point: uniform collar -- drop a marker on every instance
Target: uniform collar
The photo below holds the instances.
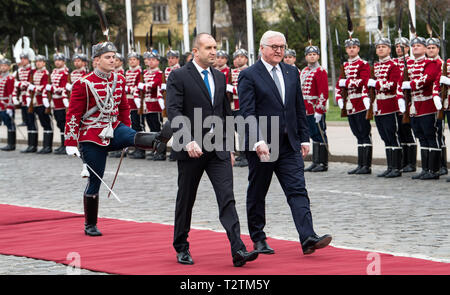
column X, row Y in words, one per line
column 101, row 74
column 387, row 58
column 354, row 59
column 313, row 66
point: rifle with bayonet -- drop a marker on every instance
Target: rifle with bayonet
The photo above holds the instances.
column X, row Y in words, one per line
column 444, row 87
column 372, row 94
column 342, row 75
column 32, row 93
column 406, row 92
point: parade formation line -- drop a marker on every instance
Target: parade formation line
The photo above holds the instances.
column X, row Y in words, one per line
column 135, row 248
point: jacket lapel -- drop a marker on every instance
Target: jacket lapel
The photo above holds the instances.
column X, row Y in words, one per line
column 269, row 80
column 198, row 79
column 287, row 89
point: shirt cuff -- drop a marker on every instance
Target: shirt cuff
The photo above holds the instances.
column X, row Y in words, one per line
column 258, row 144
column 305, row 143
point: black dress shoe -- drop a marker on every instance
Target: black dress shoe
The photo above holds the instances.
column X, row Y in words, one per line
column 263, row 248
column 184, row 257
column 315, row 242
column 91, row 230
column 242, row 256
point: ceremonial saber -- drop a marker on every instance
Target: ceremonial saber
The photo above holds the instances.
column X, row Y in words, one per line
column 95, row 173
column 117, row 171
column 323, row 138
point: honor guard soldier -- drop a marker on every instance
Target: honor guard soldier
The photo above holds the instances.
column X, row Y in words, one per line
column 314, row 82
column 120, row 59
column 387, row 105
column 173, row 59
column 133, row 77
column 407, row 139
column 98, row 121
column 23, row 78
column 357, row 73
column 36, row 91
column 6, row 103
column 445, row 81
column 433, row 46
column 79, row 61
column 153, row 99
column 240, row 60
column 423, row 73
column 290, row 58
column 221, row 64
column 59, row 99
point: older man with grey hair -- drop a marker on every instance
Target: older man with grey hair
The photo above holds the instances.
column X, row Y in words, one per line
column 271, row 89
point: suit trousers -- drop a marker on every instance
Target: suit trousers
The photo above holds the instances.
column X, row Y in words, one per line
column 289, row 169
column 220, row 174
column 95, row 155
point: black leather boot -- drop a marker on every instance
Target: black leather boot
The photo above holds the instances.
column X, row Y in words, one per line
column 90, row 215
column 360, row 160
column 62, row 149
column 11, row 142
column 434, row 164
column 315, row 157
column 137, row 154
column 322, row 159
column 443, row 170
column 243, row 162
column 411, row 156
column 424, row 155
column 389, row 163
column 367, row 161
column 47, row 143
column 396, row 163
column 32, row 142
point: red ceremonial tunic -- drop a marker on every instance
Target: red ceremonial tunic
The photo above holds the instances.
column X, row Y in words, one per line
column 40, row 80
column 132, row 77
column 24, row 74
column 226, row 71
column 81, row 127
column 401, row 65
column 170, row 69
column 357, row 73
column 58, row 82
column 6, row 91
column 446, row 104
column 76, row 74
column 152, row 90
column 423, row 73
column 234, row 82
column 387, row 75
column 314, row 81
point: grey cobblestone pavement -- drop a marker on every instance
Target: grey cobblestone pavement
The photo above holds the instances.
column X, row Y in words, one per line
column 399, row 216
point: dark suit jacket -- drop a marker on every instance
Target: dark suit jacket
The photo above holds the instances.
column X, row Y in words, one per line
column 258, row 96
column 186, row 91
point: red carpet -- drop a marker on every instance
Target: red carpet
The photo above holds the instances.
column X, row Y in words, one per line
column 128, row 247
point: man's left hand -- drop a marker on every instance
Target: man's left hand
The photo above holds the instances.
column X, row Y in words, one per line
column 232, row 159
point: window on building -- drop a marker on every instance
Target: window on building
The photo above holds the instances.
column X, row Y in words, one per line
column 179, row 13
column 160, row 13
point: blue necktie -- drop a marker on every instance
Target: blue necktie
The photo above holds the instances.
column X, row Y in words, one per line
column 206, row 80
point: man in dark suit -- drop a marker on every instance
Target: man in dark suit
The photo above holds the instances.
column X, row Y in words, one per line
column 271, row 89
column 195, row 87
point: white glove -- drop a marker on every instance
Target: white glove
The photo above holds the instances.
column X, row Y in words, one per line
column 126, row 89
column 163, row 86
column 366, row 102
column 372, row 83
column 342, row 82
column 31, row 87
column 401, row 105
column 230, row 88
column 137, row 101
column 15, row 100
column 340, row 103
column 10, row 112
column 161, row 103
column 28, row 101
column 16, row 84
column 66, row 102
column 318, row 117
column 46, row 102
column 406, row 85
column 141, row 86
column 72, row 151
column 444, row 80
column 48, row 87
column 437, row 102
column 69, row 87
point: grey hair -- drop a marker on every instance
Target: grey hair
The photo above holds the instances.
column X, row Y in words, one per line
column 269, row 35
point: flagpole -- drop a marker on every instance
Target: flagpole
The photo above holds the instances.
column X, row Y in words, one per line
column 323, row 34
column 129, row 23
column 184, row 7
column 412, row 9
column 250, row 41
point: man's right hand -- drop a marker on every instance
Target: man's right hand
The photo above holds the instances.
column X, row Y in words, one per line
column 263, row 153
column 72, row 151
column 194, row 150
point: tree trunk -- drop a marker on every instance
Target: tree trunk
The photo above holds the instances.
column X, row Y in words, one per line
column 238, row 20
column 332, row 68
